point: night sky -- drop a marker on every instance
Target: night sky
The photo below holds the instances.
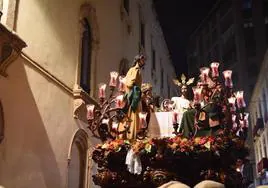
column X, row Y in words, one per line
column 179, row 18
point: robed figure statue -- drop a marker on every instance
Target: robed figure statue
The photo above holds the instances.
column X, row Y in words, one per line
column 181, row 104
column 133, row 81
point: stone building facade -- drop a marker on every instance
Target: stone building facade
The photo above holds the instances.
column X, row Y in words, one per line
column 53, row 55
column 235, row 33
column 259, row 120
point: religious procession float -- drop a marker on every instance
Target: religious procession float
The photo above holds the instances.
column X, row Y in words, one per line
column 146, row 145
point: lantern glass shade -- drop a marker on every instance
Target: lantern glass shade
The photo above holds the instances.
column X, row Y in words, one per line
column 121, row 86
column 105, row 121
column 228, row 78
column 227, row 74
column 142, row 118
column 204, row 74
column 90, row 111
column 231, row 100
column 214, row 69
column 119, row 102
column 102, row 88
column 233, row 117
column 115, row 125
column 113, row 80
column 204, row 70
column 197, row 93
column 240, row 99
column 246, row 115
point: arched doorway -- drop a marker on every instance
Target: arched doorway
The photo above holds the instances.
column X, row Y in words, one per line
column 77, row 166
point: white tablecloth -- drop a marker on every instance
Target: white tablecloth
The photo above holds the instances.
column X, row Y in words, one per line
column 161, row 125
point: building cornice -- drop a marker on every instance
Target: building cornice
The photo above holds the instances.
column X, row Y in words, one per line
column 81, row 98
column 46, row 73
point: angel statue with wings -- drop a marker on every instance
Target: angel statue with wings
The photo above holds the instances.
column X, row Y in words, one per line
column 181, row 104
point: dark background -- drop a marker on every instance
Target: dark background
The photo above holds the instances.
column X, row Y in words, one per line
column 179, row 18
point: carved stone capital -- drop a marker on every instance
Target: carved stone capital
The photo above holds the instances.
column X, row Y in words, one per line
column 10, row 47
column 79, row 108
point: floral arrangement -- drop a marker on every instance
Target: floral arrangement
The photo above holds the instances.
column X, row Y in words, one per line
column 176, row 144
column 173, row 155
column 113, row 145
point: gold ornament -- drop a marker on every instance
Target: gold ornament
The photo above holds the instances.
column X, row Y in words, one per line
column 183, row 81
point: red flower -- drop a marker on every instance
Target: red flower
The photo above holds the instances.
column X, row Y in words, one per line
column 203, row 141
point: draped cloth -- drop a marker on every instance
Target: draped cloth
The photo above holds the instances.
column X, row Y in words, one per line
column 133, row 85
column 161, row 125
column 133, row 163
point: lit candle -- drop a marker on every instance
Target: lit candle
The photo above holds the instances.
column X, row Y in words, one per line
column 119, row 103
column 105, row 121
column 142, row 118
column 233, row 118
column 90, row 111
column 204, row 74
column 114, row 125
column 228, row 78
column 234, row 121
column 102, row 88
column 113, row 80
column 121, row 86
column 242, row 123
column 240, row 99
column 197, row 94
column 245, row 120
column 214, row 69
column 175, row 116
column 231, row 101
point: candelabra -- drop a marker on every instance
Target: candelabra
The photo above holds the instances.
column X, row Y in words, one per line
column 109, row 120
column 210, row 91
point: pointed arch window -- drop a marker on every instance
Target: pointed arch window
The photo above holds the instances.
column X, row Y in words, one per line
column 78, row 161
column 86, row 56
